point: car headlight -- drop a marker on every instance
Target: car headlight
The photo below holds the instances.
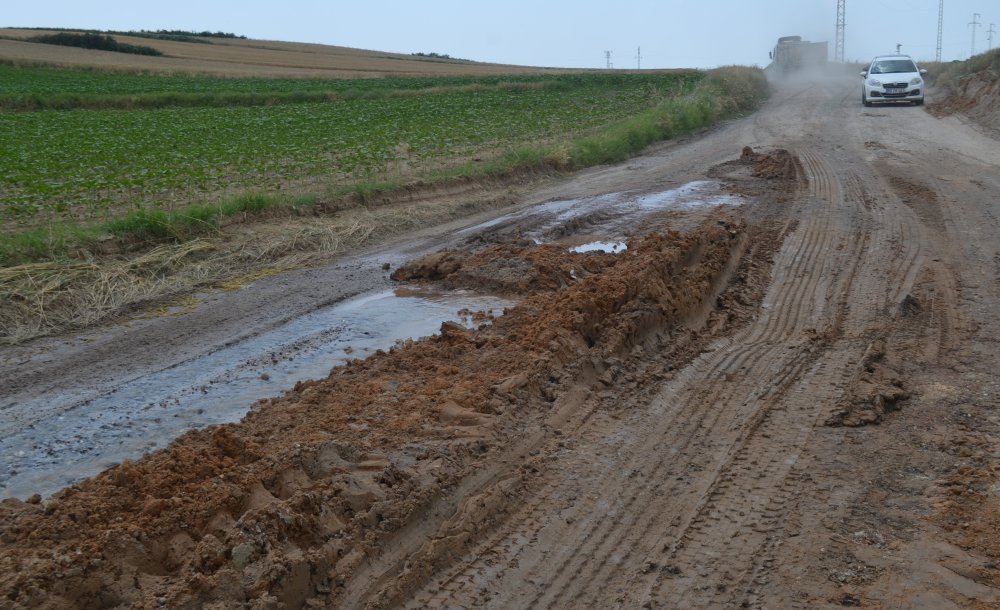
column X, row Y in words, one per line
column 874, row 82
column 916, row 81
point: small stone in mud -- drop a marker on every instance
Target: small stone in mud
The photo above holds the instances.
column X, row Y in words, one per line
column 265, row 377
column 244, row 554
column 34, row 499
column 386, row 266
column 451, row 330
column 909, row 305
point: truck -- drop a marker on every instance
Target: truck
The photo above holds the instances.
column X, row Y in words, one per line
column 792, row 54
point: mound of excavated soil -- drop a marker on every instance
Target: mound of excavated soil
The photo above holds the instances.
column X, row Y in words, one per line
column 778, row 164
column 976, row 97
column 517, row 268
column 287, row 504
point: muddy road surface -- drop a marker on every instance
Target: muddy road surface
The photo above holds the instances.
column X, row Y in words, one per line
column 754, row 369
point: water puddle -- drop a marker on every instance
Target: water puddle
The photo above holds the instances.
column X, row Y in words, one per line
column 694, row 195
column 146, row 413
column 618, row 211
column 611, row 247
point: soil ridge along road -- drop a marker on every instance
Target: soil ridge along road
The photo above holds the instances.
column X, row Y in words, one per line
column 782, row 400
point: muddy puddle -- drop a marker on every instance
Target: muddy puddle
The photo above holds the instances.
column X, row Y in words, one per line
column 613, row 215
column 611, row 247
column 41, row 453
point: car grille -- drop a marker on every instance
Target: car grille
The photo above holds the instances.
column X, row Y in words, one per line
column 897, row 85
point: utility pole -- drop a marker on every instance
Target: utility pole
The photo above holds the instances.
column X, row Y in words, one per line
column 838, row 54
column 638, row 58
column 937, row 56
column 974, row 24
column 607, row 58
column 990, row 33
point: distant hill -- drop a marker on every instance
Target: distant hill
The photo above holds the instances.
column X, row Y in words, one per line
column 242, row 57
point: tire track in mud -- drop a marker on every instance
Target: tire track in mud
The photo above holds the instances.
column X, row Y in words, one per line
column 377, row 580
column 532, row 516
column 687, row 423
column 754, row 485
column 868, row 292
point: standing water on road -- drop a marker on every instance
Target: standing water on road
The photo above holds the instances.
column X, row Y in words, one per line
column 612, row 213
column 43, row 454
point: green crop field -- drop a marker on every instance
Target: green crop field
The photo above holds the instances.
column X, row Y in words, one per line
column 92, row 163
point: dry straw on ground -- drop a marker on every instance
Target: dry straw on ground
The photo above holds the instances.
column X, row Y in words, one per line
column 45, row 298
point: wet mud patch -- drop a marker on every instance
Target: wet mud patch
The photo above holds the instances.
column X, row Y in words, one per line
column 286, row 505
column 608, row 216
column 92, row 432
column 919, row 198
column 520, row 267
column 966, row 501
column 877, row 389
column 775, row 174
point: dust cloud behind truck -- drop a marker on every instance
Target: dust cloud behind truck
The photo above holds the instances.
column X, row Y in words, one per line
column 792, row 54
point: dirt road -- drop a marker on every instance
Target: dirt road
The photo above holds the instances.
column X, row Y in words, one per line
column 785, row 399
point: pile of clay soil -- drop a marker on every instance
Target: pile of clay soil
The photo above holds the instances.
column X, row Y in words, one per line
column 285, row 506
column 877, row 389
column 977, row 97
column 506, row 268
column 776, row 165
column 774, row 175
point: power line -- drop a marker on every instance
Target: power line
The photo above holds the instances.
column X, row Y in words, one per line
column 607, row 58
column 974, row 24
column 638, row 58
column 990, row 33
column 838, row 54
column 937, row 56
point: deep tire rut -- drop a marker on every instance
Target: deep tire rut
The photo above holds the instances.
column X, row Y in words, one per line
column 708, row 458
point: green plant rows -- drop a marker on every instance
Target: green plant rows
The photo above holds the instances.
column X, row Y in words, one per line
column 83, row 160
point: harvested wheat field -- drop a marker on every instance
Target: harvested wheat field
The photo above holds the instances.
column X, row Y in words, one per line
column 244, row 57
column 747, row 369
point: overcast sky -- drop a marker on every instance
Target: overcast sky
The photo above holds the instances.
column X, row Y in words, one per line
column 560, row 33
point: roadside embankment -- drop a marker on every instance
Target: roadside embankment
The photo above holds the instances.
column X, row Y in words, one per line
column 971, row 89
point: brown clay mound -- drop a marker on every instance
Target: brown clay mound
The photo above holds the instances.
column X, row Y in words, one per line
column 284, row 506
column 776, row 165
column 877, row 389
column 511, row 268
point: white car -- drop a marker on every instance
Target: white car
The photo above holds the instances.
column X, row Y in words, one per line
column 893, row 78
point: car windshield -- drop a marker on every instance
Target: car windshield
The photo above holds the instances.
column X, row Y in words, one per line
column 893, row 66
